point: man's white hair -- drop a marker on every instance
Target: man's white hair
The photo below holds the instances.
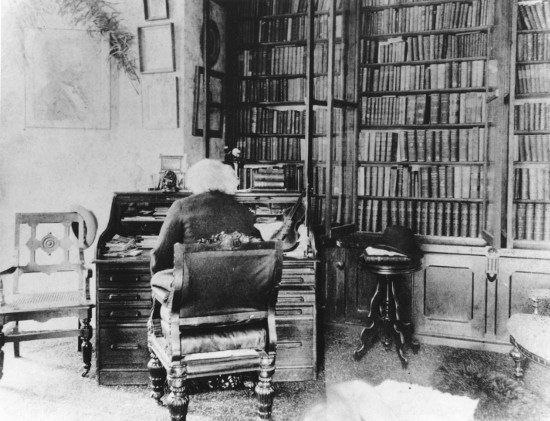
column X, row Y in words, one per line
column 211, row 175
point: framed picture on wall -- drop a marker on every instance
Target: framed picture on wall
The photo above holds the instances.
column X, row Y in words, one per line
column 160, row 104
column 156, row 48
column 155, row 9
column 215, row 99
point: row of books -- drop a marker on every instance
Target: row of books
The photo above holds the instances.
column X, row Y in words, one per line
column 283, row 29
column 371, row 3
column 423, row 47
column 288, row 177
column 426, row 18
column 447, row 145
column 533, row 78
column 459, row 182
column 532, row 221
column 279, row 60
column 321, row 25
column 256, row 8
column 319, row 149
column 273, row 90
column 320, row 118
column 270, row 7
column 341, row 179
column 532, row 183
column 271, row 148
column 450, row 219
column 532, row 116
column 452, row 108
column 321, row 87
column 532, row 148
column 271, row 120
column 533, row 46
column 320, row 57
column 293, row 28
column 534, row 14
column 461, row 74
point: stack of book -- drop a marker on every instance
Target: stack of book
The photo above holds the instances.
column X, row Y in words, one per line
column 268, row 178
column 121, row 246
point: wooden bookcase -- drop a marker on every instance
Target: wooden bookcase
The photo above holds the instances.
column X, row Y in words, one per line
column 410, row 111
column 529, row 127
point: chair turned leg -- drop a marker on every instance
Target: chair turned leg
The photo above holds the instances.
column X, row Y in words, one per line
column 264, row 388
column 518, row 360
column 157, row 378
column 2, row 342
column 86, row 345
column 177, row 401
column 16, row 349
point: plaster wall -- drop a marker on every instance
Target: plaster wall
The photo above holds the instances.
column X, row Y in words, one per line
column 45, row 169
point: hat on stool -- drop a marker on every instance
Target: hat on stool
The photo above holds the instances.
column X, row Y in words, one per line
column 400, row 239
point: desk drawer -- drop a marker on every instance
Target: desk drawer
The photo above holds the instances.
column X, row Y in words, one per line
column 123, row 314
column 124, row 279
column 289, row 329
column 298, row 277
column 285, row 311
column 125, row 297
column 123, row 347
column 294, row 353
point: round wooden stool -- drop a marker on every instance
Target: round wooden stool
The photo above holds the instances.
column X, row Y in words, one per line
column 384, row 320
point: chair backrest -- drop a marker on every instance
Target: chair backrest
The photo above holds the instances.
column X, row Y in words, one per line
column 218, row 281
column 49, row 243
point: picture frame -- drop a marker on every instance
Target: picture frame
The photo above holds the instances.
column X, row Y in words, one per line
column 160, row 101
column 155, row 9
column 216, row 103
column 156, row 48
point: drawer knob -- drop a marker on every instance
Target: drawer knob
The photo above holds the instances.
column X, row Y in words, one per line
column 288, row 312
column 289, row 344
column 116, row 314
column 122, row 297
column 340, row 265
column 293, row 280
column 120, row 347
column 291, row 299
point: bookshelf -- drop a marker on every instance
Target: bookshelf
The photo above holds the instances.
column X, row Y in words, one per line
column 270, row 92
column 423, row 149
column 529, row 127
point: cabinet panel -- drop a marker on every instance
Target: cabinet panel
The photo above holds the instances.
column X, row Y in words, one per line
column 516, row 277
column 449, row 296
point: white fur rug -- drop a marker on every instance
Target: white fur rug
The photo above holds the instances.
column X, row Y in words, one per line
column 356, row 400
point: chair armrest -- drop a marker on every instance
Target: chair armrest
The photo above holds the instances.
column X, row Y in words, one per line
column 8, row 271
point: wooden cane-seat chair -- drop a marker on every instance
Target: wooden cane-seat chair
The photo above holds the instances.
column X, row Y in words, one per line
column 214, row 314
column 48, row 281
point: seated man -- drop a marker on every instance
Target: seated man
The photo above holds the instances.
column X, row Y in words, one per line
column 209, row 211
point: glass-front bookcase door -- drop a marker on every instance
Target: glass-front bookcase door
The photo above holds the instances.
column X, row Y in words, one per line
column 334, row 109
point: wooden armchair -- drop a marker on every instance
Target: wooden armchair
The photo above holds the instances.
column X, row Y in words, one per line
column 215, row 314
column 48, row 280
column 530, row 333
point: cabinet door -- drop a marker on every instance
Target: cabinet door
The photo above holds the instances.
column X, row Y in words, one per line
column 517, row 276
column 449, row 297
